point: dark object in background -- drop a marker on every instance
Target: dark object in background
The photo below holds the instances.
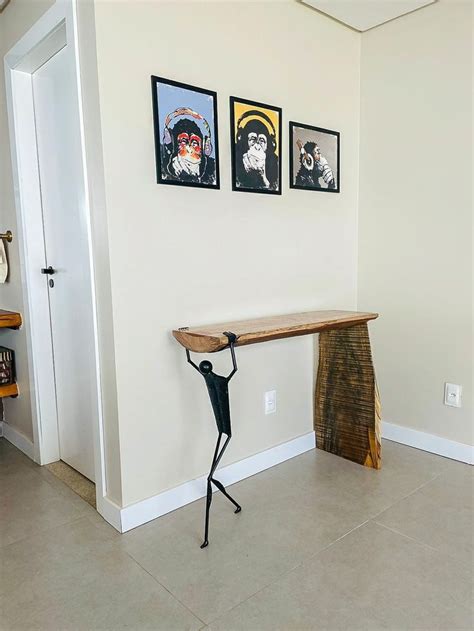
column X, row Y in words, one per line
column 7, row 366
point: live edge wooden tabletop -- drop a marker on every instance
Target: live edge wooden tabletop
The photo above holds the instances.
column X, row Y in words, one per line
column 9, row 319
column 210, row 338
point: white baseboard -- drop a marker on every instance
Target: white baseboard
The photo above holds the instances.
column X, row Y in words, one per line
column 428, row 442
column 110, row 511
column 18, row 439
column 124, row 519
column 153, row 507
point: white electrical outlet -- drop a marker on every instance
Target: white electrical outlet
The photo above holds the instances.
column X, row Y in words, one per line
column 452, row 395
column 270, row 400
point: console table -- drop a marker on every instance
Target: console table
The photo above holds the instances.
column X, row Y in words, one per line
column 346, row 407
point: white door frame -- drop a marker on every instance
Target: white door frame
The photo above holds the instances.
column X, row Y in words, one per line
column 55, row 29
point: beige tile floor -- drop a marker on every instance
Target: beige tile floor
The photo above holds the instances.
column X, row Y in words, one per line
column 321, row 543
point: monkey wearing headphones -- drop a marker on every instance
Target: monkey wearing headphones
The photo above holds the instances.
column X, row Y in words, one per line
column 256, row 161
column 186, row 150
column 313, row 166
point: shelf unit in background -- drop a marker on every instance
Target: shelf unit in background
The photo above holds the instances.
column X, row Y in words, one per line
column 9, row 320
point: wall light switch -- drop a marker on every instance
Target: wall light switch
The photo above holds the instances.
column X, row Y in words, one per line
column 452, row 395
column 270, row 402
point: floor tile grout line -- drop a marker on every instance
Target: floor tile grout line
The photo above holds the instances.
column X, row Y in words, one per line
column 166, row 589
column 339, row 538
column 406, row 496
column 40, row 533
column 291, row 569
column 288, row 571
column 313, row 556
column 276, row 579
column 402, row 534
column 369, row 520
column 419, row 542
column 303, row 487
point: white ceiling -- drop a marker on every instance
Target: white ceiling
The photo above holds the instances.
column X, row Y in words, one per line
column 365, row 14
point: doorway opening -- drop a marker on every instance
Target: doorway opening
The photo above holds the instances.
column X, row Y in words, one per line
column 74, row 480
column 54, row 225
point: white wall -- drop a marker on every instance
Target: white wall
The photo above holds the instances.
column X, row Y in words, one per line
column 415, row 214
column 185, row 256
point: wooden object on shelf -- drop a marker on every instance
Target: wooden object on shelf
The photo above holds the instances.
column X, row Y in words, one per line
column 10, row 390
column 347, row 416
column 209, row 339
column 10, row 319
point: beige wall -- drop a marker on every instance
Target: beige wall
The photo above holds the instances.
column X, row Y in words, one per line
column 415, row 213
column 17, row 18
column 182, row 256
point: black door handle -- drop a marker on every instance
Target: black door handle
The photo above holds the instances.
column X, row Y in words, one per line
column 48, row 270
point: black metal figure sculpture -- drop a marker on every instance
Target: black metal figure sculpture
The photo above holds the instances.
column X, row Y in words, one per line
column 218, row 388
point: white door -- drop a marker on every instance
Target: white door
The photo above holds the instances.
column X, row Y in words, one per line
column 67, row 253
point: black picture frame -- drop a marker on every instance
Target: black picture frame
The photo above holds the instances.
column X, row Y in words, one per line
column 163, row 157
column 236, row 144
column 316, row 135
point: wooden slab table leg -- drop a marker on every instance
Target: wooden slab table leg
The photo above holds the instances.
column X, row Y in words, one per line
column 347, row 416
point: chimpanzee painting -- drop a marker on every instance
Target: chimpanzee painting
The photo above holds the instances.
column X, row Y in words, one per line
column 185, row 120
column 255, row 146
column 314, row 158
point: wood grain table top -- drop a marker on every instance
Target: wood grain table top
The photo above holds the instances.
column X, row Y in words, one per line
column 9, row 319
column 211, row 338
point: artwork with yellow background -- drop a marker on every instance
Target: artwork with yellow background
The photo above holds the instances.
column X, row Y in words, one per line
column 256, row 146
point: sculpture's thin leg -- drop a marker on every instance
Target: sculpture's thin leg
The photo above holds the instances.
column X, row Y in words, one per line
column 219, row 485
column 210, row 479
column 209, row 492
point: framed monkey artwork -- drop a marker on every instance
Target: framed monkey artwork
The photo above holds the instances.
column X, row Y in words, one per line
column 314, row 158
column 255, row 130
column 185, row 124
